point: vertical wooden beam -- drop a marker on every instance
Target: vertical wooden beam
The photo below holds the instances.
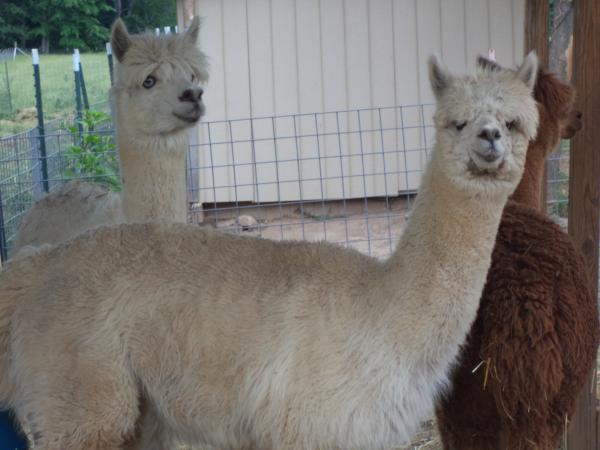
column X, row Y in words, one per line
column 537, row 16
column 584, row 184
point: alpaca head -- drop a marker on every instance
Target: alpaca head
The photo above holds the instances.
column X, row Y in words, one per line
column 555, row 100
column 483, row 125
column 158, row 80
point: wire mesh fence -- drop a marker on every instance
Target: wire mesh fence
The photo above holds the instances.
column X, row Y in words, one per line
column 347, row 177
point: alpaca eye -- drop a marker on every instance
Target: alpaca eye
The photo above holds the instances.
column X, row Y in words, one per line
column 149, row 82
column 511, row 125
column 460, row 125
column 193, row 78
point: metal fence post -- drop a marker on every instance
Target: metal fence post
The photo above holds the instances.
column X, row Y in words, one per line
column 10, row 108
column 40, row 116
column 86, row 102
column 109, row 55
column 78, row 106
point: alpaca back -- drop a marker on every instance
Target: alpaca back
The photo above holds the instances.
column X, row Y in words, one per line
column 66, row 212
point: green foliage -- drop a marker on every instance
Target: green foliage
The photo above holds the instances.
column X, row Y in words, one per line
column 13, row 24
column 63, row 25
column 93, row 158
column 68, row 23
column 150, row 14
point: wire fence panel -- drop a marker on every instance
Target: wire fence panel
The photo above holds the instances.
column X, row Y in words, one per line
column 344, row 176
column 68, row 158
column 347, row 177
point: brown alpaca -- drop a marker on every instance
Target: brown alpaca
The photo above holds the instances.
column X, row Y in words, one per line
column 557, row 120
column 535, row 337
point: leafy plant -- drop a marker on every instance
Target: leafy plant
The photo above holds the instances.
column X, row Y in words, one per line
column 93, row 157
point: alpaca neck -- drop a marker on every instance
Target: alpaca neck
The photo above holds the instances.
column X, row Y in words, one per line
column 530, row 190
column 153, row 174
column 438, row 271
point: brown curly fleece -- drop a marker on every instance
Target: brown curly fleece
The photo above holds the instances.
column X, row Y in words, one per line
column 558, row 120
column 535, row 337
column 537, row 327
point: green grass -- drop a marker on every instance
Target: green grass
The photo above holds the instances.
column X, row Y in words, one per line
column 17, row 109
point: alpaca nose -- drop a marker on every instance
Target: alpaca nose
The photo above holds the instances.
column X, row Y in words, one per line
column 489, row 134
column 191, row 95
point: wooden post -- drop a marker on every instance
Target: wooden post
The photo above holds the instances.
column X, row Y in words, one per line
column 584, row 186
column 537, row 14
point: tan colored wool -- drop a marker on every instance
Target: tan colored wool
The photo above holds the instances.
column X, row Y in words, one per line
column 135, row 336
column 152, row 139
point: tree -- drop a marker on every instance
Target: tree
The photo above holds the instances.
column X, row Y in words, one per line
column 13, row 24
column 68, row 24
column 143, row 14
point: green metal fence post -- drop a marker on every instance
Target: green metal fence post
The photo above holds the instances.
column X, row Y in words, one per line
column 78, row 106
column 109, row 55
column 40, row 116
column 86, row 103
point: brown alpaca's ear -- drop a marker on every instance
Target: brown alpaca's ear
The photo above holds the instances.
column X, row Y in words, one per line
column 488, row 64
column 439, row 76
column 119, row 39
column 528, row 71
column 191, row 35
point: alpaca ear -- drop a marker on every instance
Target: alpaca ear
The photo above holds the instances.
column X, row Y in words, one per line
column 528, row 71
column 439, row 76
column 119, row 39
column 488, row 64
column 191, row 35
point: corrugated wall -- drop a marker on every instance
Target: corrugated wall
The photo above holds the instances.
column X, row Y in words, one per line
column 280, row 57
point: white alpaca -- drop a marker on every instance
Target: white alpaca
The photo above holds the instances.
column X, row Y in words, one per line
column 310, row 346
column 156, row 98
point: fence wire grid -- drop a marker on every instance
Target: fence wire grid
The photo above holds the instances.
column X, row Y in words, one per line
column 347, row 177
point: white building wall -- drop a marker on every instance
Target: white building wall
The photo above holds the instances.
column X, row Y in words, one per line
column 281, row 57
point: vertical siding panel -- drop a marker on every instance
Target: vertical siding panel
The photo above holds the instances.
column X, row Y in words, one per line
column 285, row 82
column 211, row 41
column 236, row 59
column 359, row 87
column 518, row 11
column 383, row 94
column 500, row 31
column 284, row 57
column 237, row 80
column 262, row 96
column 334, row 92
column 309, row 55
column 332, row 47
column 453, row 35
column 477, row 30
column 408, row 90
column 406, row 58
column 260, row 57
column 429, row 39
column 310, row 82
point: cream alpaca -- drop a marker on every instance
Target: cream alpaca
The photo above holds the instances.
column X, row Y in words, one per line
column 156, row 98
column 311, row 346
